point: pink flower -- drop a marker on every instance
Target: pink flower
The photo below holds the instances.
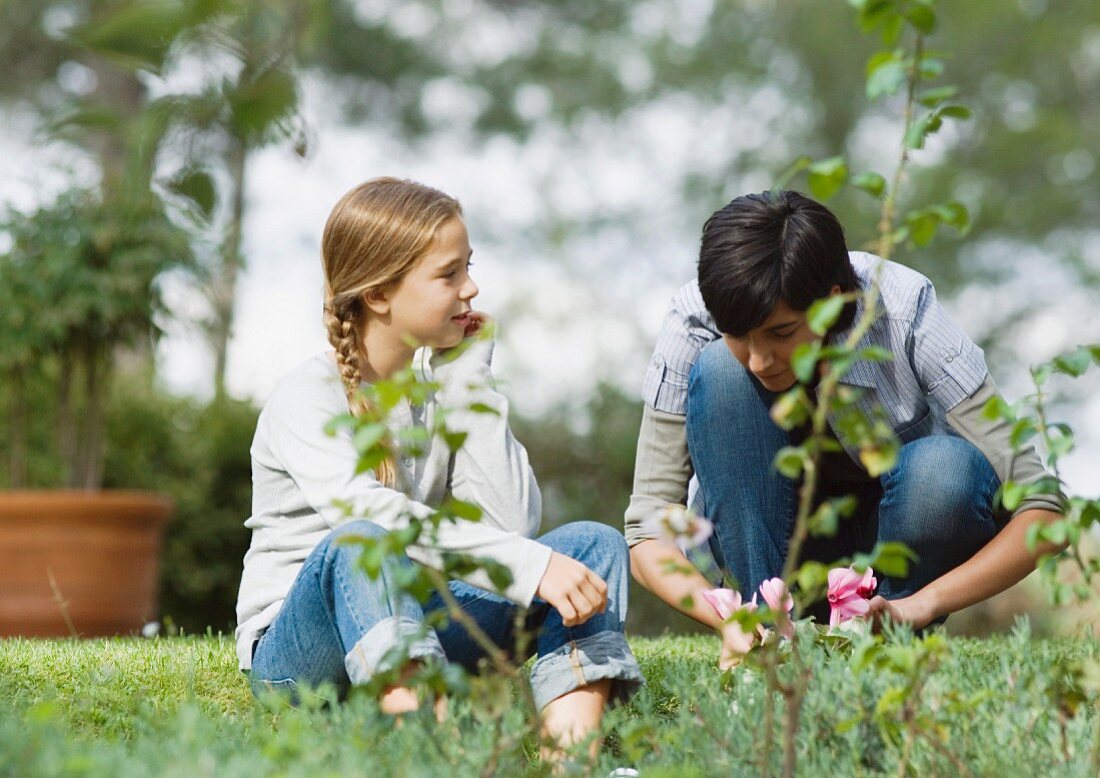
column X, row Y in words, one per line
column 849, row 592
column 781, row 603
column 726, row 602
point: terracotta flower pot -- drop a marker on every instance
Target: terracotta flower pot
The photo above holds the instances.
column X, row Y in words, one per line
column 83, row 562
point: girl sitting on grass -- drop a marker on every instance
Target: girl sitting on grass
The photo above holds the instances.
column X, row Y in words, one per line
column 396, row 259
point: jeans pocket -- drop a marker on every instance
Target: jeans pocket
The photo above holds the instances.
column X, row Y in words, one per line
column 918, row 428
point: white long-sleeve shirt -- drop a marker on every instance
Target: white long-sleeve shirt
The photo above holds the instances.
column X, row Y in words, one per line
column 299, row 474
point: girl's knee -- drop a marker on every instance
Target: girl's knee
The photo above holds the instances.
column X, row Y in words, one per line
column 592, row 543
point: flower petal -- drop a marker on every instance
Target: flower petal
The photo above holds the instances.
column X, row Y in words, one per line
column 724, row 601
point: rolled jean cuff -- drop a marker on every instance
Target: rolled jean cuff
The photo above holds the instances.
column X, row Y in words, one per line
column 583, row 662
column 372, row 652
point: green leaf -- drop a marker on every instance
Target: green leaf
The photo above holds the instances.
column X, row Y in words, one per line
column 822, row 314
column 198, row 187
column 922, row 227
column 953, row 213
column 871, row 183
column 879, row 458
column 460, row 509
column 891, row 558
column 483, row 408
column 1023, row 430
column 137, row 35
column 804, row 359
column 930, row 98
column 1073, row 364
column 875, row 354
column 960, row 112
column 914, row 137
column 260, row 103
column 885, row 74
column 997, row 408
column 1011, row 494
column 922, row 18
column 366, row 437
column 827, row 176
column 789, row 461
column 791, row 408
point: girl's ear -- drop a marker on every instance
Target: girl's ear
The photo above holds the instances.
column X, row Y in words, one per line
column 377, row 300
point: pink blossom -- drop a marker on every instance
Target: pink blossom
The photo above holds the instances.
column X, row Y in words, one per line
column 726, row 602
column 781, row 603
column 848, row 593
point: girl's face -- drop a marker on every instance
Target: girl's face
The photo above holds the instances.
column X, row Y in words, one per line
column 429, row 305
column 766, row 351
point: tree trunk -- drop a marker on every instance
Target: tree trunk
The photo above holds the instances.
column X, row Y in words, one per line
column 224, row 289
column 95, row 387
column 17, row 475
column 66, row 420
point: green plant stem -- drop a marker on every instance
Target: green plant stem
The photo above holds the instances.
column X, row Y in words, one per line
column 794, row 694
column 492, row 650
column 889, row 203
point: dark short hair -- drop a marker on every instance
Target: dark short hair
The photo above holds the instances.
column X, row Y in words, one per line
column 764, row 248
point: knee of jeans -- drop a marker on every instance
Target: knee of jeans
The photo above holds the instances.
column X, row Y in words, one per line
column 717, row 378
column 599, row 547
column 338, row 541
column 942, row 478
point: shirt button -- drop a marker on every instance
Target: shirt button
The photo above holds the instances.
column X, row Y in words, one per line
column 951, row 359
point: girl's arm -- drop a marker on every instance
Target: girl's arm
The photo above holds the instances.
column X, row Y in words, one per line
column 491, row 469
column 291, row 437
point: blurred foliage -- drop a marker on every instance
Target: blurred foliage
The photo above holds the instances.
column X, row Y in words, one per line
column 78, row 283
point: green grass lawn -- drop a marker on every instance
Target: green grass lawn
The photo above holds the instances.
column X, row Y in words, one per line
column 178, row 706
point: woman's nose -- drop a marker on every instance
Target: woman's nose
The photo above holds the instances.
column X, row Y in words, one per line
column 760, row 360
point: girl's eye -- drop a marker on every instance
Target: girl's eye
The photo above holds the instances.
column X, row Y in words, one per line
column 784, row 335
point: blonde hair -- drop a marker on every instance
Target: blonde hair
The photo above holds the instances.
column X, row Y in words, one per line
column 373, row 237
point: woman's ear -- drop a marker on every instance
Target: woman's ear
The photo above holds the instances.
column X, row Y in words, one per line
column 377, row 300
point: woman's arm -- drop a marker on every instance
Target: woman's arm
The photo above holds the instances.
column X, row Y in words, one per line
column 1005, row 560
column 1002, row 562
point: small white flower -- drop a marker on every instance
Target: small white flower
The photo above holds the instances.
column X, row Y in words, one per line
column 151, row 629
column 680, row 524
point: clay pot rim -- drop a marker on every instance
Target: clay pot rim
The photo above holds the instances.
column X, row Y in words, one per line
column 34, row 505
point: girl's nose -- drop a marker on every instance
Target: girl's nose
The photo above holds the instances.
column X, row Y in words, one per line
column 469, row 289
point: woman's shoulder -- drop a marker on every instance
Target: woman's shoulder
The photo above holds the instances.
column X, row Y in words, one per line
column 902, row 289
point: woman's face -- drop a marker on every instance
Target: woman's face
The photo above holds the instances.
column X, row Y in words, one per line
column 766, row 351
column 429, row 304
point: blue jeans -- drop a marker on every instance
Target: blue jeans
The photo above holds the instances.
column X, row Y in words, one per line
column 338, row 626
column 937, row 500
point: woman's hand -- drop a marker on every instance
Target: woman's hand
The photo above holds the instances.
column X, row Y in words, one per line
column 576, row 592
column 909, row 610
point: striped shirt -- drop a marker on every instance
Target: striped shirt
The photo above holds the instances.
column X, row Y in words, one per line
column 935, row 367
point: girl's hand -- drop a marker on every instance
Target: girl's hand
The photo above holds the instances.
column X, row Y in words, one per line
column 906, row 610
column 476, row 321
column 576, row 592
